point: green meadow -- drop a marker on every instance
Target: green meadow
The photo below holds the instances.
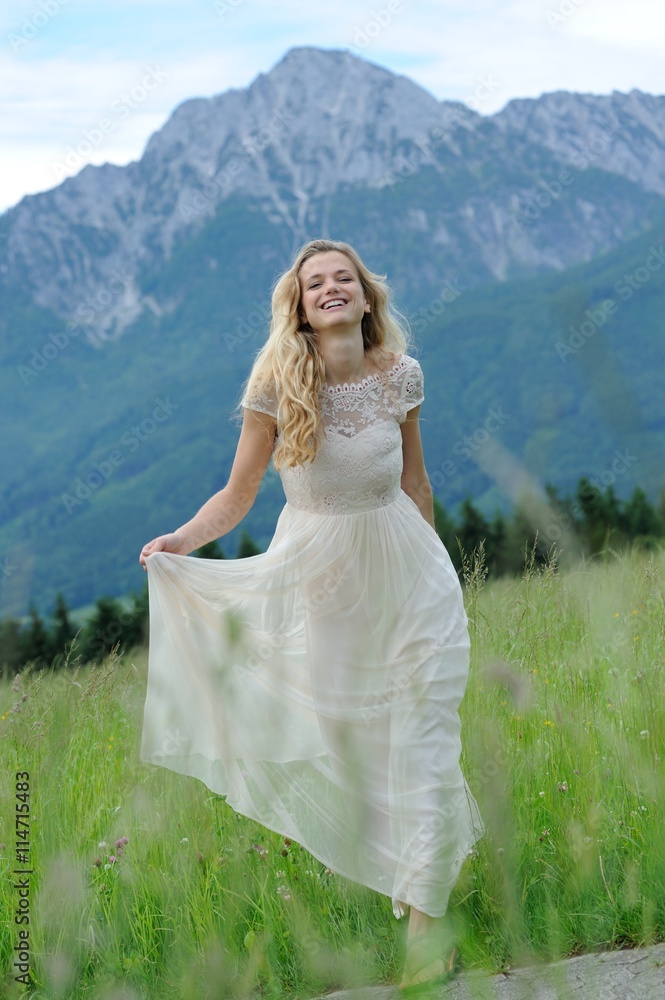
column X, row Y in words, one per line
column 144, row 884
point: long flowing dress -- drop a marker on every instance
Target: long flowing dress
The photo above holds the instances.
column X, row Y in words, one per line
column 316, row 685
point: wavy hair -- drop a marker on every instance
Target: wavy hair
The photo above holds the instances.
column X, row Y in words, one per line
column 290, row 368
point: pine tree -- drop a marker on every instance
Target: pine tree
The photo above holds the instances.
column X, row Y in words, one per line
column 103, row 630
column 211, row 550
column 445, row 529
column 247, row 547
column 641, row 519
column 472, row 529
column 135, row 620
column 35, row 640
column 11, row 647
column 62, row 632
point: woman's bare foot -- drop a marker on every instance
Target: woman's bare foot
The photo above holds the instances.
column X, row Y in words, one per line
column 426, row 956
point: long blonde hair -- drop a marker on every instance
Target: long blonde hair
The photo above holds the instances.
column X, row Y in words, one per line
column 290, row 367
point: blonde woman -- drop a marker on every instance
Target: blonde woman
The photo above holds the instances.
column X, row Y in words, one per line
column 316, row 685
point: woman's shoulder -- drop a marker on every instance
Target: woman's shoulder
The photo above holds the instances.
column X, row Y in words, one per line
column 405, row 364
column 391, row 362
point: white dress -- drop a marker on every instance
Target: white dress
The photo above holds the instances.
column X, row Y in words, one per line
column 316, row 685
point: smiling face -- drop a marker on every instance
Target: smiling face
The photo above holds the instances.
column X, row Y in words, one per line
column 331, row 294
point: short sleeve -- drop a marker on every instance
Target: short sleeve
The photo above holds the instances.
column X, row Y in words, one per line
column 413, row 387
column 261, row 398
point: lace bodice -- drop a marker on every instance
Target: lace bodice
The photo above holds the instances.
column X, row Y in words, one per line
column 358, row 465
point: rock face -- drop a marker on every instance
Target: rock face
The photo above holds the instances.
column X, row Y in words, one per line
column 623, row 134
column 324, row 122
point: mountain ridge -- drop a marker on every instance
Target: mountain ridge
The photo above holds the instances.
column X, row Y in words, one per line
column 284, row 143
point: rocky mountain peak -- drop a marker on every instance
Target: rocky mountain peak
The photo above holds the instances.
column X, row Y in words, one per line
column 321, row 121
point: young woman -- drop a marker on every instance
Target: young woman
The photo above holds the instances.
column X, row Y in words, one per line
column 316, row 685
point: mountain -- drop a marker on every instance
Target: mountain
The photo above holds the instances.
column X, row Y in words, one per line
column 132, row 299
column 326, row 122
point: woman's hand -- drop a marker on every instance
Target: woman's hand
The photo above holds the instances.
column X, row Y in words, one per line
column 172, row 542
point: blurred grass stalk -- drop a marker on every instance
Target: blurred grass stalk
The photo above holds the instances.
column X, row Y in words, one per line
column 563, row 728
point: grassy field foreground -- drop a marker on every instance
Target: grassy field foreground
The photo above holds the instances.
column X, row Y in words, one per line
column 144, row 884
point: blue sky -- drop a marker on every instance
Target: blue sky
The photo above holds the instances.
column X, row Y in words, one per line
column 67, row 63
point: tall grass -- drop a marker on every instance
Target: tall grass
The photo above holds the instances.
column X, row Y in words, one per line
column 564, row 732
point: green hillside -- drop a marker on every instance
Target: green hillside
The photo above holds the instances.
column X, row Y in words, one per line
column 148, row 416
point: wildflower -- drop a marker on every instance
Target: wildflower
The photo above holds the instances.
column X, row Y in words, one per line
column 548, row 723
column 616, row 614
column 97, row 863
column 120, row 844
column 563, row 787
column 284, row 893
column 111, row 858
column 280, row 874
column 185, row 840
column 102, row 844
column 499, row 850
column 541, row 795
column 635, row 638
column 260, row 850
column 544, row 834
column 644, row 734
column 634, row 612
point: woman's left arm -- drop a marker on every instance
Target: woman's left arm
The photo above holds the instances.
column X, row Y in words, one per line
column 415, row 481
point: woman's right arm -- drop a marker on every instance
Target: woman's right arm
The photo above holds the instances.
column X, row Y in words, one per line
column 223, row 511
